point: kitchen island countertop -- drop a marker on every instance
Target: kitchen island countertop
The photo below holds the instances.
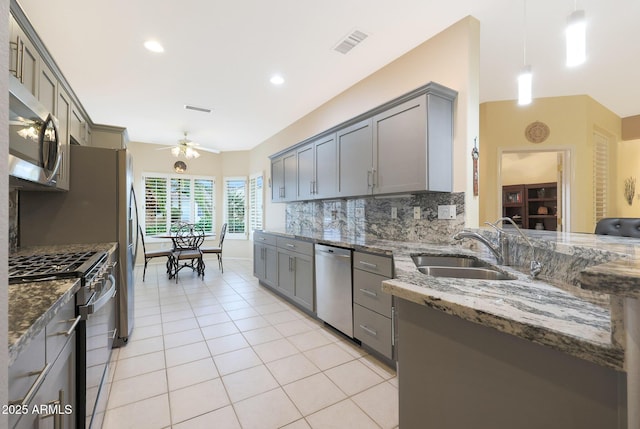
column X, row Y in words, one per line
column 545, row 311
column 32, row 305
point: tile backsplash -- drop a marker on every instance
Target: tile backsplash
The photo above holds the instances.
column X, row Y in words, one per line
column 371, row 217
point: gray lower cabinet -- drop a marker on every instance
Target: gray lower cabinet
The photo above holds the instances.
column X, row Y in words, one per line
column 265, row 258
column 286, row 265
column 42, row 379
column 457, row 374
column 372, row 308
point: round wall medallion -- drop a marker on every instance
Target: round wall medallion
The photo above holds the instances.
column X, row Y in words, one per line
column 180, row 167
column 537, row 132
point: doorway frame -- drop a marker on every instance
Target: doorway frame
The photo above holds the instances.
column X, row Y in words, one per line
column 567, row 177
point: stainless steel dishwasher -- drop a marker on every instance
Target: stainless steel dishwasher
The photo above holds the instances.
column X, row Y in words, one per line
column 334, row 297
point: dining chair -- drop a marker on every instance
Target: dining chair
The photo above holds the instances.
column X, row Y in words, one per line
column 218, row 249
column 150, row 254
column 186, row 252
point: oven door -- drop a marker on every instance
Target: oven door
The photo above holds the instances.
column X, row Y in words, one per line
column 99, row 334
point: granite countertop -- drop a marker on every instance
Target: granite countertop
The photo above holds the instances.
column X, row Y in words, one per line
column 545, row 311
column 32, row 305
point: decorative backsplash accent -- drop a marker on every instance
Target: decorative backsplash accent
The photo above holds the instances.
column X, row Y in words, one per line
column 370, row 217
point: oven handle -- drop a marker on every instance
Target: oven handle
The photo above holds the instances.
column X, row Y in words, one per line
column 93, row 307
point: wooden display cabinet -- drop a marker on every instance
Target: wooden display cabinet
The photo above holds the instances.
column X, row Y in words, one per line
column 532, row 206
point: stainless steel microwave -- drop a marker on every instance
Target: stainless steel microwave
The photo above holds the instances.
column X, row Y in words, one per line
column 34, row 144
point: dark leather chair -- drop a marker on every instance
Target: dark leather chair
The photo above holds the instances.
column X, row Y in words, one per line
column 150, row 254
column 619, row 226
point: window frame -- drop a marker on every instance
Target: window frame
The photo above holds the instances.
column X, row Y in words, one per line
column 167, row 177
column 257, row 205
column 230, row 234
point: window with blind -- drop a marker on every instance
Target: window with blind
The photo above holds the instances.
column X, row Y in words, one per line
column 256, row 197
column 600, row 176
column 235, row 206
column 170, row 199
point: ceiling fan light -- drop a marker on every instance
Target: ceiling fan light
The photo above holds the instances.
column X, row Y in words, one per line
column 175, row 151
column 524, row 86
column 190, row 153
column 576, row 38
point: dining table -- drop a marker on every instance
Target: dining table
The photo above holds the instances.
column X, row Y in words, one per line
column 182, row 250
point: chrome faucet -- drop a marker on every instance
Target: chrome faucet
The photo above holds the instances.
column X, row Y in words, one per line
column 535, row 267
column 470, row 234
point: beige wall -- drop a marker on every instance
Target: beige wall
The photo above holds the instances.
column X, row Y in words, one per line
column 450, row 58
column 572, row 121
column 148, row 159
column 529, row 168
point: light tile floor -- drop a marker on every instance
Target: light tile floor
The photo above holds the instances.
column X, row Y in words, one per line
column 225, row 352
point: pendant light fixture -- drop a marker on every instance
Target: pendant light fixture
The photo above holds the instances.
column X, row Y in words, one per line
column 525, row 78
column 576, row 34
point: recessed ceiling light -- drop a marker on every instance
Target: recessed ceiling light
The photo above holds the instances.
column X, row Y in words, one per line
column 153, row 46
column 276, row 79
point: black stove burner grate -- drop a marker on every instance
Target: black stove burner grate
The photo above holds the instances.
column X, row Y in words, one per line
column 39, row 267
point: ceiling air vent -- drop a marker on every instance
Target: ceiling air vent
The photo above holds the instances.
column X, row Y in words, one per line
column 350, row 42
column 197, row 109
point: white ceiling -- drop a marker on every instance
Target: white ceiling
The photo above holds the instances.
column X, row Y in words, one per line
column 221, row 54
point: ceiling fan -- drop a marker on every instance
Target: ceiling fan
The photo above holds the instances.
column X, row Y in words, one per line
column 187, row 148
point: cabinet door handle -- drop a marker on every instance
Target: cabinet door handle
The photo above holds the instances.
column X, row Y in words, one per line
column 14, row 46
column 311, row 187
column 369, row 331
column 368, row 178
column 373, row 177
column 72, row 328
column 291, row 245
column 369, row 292
column 368, row 264
column 35, row 386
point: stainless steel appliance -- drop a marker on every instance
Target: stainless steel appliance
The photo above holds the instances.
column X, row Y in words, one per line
column 96, row 330
column 334, row 296
column 99, row 207
column 34, row 148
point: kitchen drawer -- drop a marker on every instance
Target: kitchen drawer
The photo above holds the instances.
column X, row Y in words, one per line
column 367, row 291
column 59, row 329
column 376, row 264
column 261, row 237
column 293, row 245
column 28, row 369
column 373, row 330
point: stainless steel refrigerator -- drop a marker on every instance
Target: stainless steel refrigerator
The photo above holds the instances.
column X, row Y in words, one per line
column 99, row 207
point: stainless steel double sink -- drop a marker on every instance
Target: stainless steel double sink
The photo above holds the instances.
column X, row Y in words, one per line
column 458, row 266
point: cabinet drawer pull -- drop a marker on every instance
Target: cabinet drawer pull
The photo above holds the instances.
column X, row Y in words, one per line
column 368, row 264
column 369, row 331
column 72, row 328
column 368, row 292
column 35, row 386
column 291, row 245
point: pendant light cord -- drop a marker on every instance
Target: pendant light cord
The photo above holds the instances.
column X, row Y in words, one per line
column 524, row 33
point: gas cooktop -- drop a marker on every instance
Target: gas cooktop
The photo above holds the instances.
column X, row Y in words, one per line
column 30, row 268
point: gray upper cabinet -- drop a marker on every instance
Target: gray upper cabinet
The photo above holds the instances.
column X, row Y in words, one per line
column 24, row 59
column 326, row 176
column 284, row 177
column 317, row 169
column 305, row 177
column 47, row 88
column 400, row 147
column 355, row 159
column 63, row 110
column 405, row 145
